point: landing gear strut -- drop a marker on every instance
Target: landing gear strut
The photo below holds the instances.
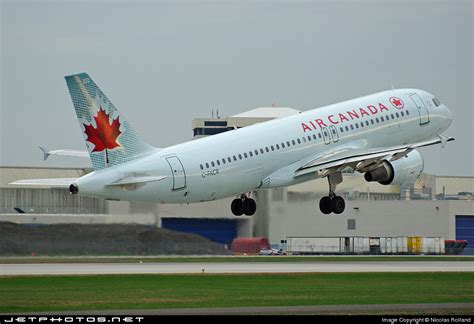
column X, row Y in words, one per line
column 332, row 203
column 243, row 205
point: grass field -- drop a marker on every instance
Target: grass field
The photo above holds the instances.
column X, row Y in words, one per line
column 100, row 292
column 134, row 259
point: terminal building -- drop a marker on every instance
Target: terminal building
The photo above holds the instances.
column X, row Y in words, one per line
column 435, row 206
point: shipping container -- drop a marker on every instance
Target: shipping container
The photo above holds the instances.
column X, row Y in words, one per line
column 433, row 245
column 316, row 245
column 414, row 245
column 402, row 245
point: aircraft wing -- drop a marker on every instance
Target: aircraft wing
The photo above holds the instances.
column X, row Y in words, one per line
column 51, row 182
column 64, row 152
column 360, row 158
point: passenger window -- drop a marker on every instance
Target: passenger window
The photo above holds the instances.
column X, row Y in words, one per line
column 396, row 114
column 261, row 150
column 319, row 134
column 202, row 168
column 229, row 160
column 240, row 156
column 401, row 113
column 381, row 119
column 372, row 121
column 293, row 141
column 223, row 161
column 273, row 148
column 256, row 152
column 207, row 165
column 342, row 130
column 377, row 120
column 408, row 112
column 304, row 139
column 266, row 149
column 235, row 158
column 245, row 155
column 212, row 163
column 309, row 138
column 361, row 124
column 250, row 153
column 347, row 129
column 278, row 147
column 393, row 117
column 299, row 141
column 282, row 145
column 218, row 162
column 367, row 123
column 314, row 136
column 288, row 143
column 357, row 125
column 352, row 127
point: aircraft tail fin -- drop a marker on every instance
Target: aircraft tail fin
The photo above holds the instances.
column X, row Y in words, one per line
column 110, row 139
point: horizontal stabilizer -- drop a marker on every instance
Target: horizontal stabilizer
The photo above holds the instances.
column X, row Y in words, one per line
column 135, row 182
column 51, row 182
column 64, row 152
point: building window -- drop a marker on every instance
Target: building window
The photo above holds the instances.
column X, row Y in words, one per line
column 351, row 224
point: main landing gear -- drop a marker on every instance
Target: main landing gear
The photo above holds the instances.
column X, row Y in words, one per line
column 243, row 205
column 332, row 203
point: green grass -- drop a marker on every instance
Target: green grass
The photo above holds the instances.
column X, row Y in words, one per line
column 100, row 292
column 134, row 259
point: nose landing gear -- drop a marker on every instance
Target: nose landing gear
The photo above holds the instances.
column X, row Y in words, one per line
column 332, row 203
column 243, row 205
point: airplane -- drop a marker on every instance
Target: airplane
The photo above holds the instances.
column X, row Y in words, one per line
column 377, row 135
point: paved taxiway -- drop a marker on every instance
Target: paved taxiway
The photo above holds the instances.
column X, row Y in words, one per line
column 232, row 267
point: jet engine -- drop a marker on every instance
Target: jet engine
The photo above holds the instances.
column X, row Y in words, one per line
column 402, row 171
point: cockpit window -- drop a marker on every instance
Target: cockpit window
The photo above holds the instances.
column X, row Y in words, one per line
column 436, row 102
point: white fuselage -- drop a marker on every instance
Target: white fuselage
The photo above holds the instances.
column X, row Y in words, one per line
column 200, row 170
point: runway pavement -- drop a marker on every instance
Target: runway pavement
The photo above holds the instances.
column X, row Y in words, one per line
column 232, row 267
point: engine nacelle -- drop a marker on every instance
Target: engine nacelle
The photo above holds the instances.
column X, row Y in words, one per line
column 402, row 171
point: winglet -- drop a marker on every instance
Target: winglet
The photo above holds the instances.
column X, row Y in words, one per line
column 45, row 153
column 444, row 140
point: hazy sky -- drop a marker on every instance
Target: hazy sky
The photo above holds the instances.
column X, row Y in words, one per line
column 162, row 63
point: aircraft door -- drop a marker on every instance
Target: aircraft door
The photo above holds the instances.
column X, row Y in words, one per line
column 334, row 134
column 177, row 170
column 326, row 135
column 422, row 109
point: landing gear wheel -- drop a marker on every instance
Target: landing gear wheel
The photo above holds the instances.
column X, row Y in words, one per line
column 325, row 205
column 249, row 206
column 237, row 207
column 338, row 205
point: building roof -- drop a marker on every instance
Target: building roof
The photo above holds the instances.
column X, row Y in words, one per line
column 267, row 112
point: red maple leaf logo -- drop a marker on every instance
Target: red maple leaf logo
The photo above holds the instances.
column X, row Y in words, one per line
column 105, row 135
column 396, row 102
